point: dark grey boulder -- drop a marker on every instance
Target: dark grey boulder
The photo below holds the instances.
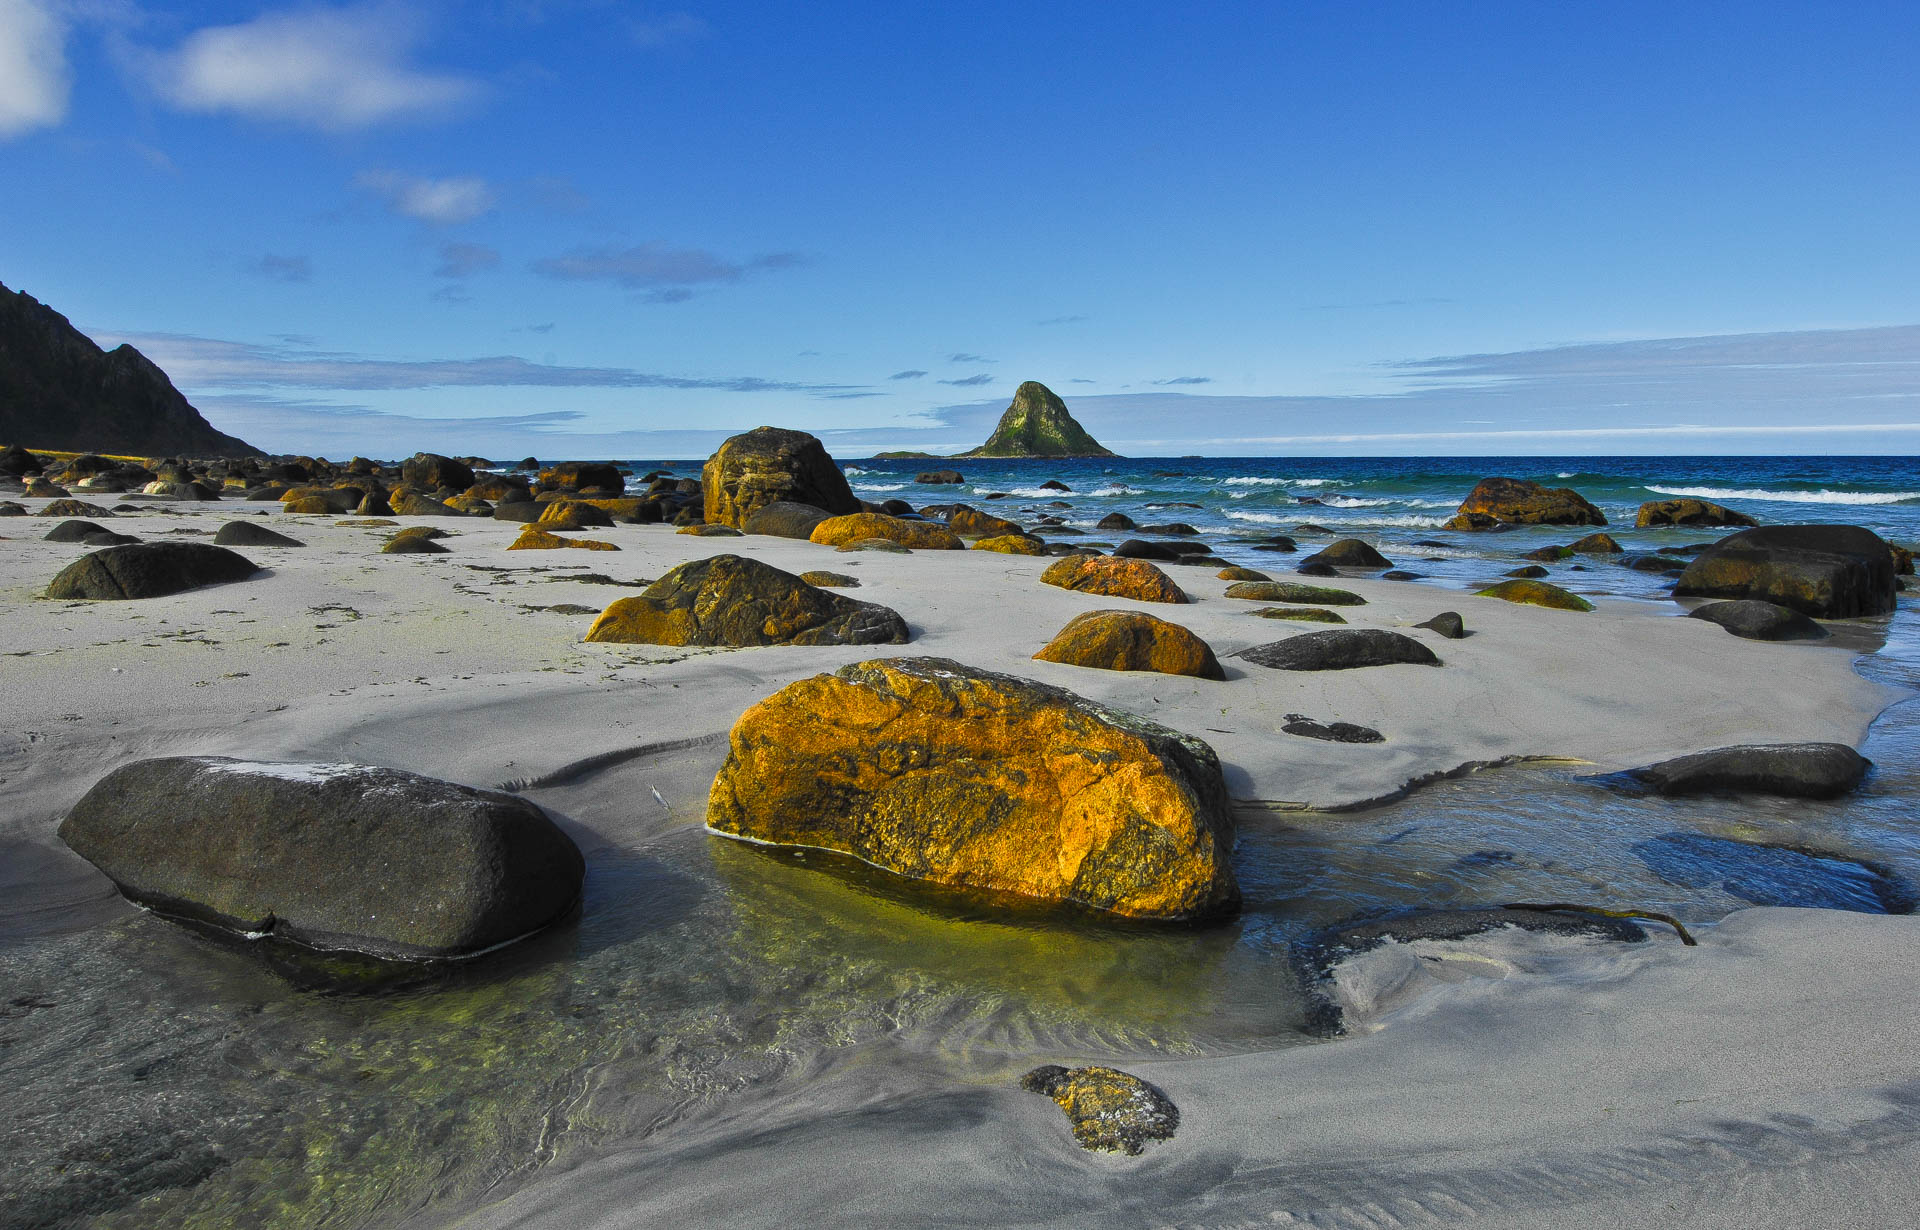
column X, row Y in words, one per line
column 1349, row 553
column 332, row 856
column 73, row 530
column 1760, row 621
column 939, row 477
column 1529, row 572
column 1314, row 568
column 1657, row 563
column 1341, row 649
column 785, row 519
column 107, row 538
column 1796, row 770
column 524, row 511
column 1116, row 521
column 252, row 534
column 1400, row 574
column 1826, row 571
column 1331, row 732
column 150, row 570
column 406, row 544
column 1447, row 624
column 1134, row 548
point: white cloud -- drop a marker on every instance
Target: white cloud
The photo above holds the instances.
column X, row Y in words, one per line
column 334, row 69
column 34, row 80
column 443, row 202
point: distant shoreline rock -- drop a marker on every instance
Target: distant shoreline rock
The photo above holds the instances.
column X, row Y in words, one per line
column 1037, row 424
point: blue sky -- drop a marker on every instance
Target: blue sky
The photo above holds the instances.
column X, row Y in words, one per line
column 607, row 229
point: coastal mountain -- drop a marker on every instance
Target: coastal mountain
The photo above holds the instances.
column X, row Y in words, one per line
column 60, row 391
column 1037, row 425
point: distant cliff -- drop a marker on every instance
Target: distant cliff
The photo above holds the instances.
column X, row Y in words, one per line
column 1037, row 425
column 60, row 391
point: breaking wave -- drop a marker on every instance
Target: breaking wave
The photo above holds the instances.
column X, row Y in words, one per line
column 1790, row 497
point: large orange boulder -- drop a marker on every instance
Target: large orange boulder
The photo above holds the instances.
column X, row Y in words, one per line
column 966, row 520
column 574, row 515
column 733, row 600
column 1516, row 501
column 942, row 772
column 1012, row 544
column 857, row 527
column 1131, row 641
column 768, row 465
column 1111, row 577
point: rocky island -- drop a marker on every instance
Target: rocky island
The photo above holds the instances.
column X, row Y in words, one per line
column 1037, row 424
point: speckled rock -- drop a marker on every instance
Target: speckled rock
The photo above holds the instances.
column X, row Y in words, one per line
column 1131, row 641
column 1110, row 1111
column 1012, row 544
column 857, row 527
column 1111, row 577
column 946, row 773
column 733, row 600
column 1339, row 649
column 1689, row 512
column 537, row 538
column 1293, row 591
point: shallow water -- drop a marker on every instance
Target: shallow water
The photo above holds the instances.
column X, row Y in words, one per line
column 158, row 1078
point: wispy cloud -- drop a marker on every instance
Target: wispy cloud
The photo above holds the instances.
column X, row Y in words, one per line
column 968, row 382
column 668, row 30
column 912, row 373
column 460, row 260
column 1375, row 303
column 279, row 268
column 1187, row 380
column 34, row 78
column 336, row 69
column 440, row 202
column 968, row 358
column 662, row 274
column 202, row 362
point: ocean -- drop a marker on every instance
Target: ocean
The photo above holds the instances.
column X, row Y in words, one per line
column 709, row 986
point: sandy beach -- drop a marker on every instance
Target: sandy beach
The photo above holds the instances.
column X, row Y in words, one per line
column 1765, row 1078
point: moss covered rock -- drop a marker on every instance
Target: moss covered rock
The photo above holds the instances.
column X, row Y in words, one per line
column 1131, row 641
column 1012, row 544
column 535, row 538
column 1826, row 571
column 1536, row 593
column 1110, row 1111
column 858, row 527
column 1111, row 577
column 574, row 515
column 830, row 580
column 735, row 601
column 943, row 772
column 769, row 465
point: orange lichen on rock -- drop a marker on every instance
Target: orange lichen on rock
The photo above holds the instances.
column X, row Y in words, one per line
column 943, row 772
column 1131, row 641
column 1112, row 577
column 924, row 535
column 533, row 538
column 1012, row 544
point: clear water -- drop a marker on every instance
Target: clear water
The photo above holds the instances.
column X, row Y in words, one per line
column 156, row 1078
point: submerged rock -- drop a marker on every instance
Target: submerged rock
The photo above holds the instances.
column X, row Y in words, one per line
column 1110, row 1111
column 1796, row 770
column 1760, row 621
column 772, row 465
column 1341, row 649
column 1111, row 577
column 1689, row 512
column 943, row 772
column 150, row 570
column 1826, row 571
column 345, row 856
column 736, row 601
column 1516, row 501
column 1131, row 641
column 1777, row 875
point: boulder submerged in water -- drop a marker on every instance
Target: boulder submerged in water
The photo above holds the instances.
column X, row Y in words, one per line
column 1794, row 770
column 1826, row 571
column 331, row 856
column 942, row 772
column 1516, row 501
